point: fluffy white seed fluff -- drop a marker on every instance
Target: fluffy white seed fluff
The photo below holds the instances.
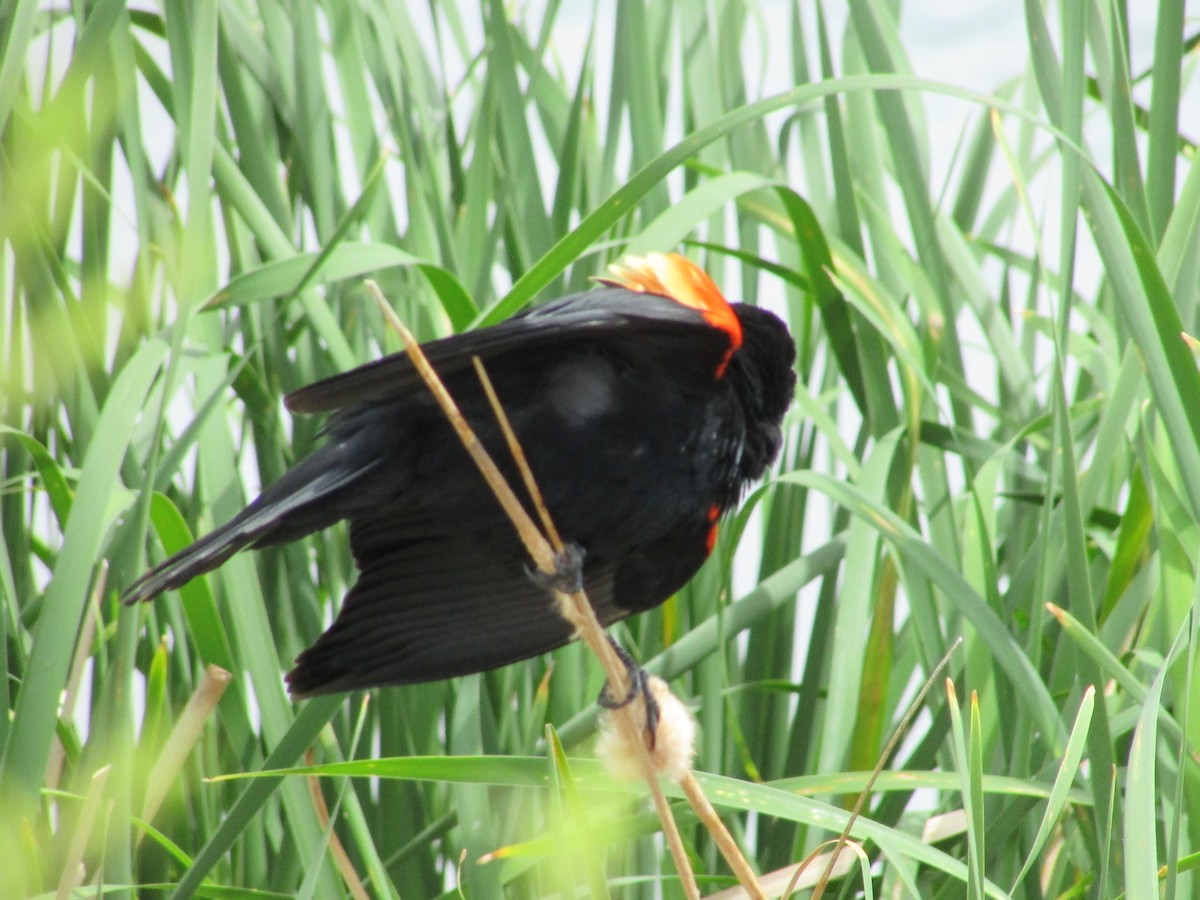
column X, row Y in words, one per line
column 674, row 744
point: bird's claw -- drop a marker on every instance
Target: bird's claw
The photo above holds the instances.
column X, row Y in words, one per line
column 639, row 685
column 567, row 576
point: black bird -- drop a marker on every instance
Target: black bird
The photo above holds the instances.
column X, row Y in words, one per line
column 644, row 408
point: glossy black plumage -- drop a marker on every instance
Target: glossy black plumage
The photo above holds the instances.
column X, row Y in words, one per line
column 639, row 425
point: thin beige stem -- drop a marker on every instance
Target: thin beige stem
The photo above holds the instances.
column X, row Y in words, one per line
column 721, row 836
column 901, row 729
column 575, row 607
column 73, row 870
column 183, row 737
column 341, row 858
column 518, row 455
column 535, row 544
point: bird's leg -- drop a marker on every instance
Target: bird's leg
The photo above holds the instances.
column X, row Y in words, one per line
column 567, row 576
column 639, row 684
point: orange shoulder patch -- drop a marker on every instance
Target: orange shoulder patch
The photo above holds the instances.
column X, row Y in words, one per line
column 677, row 277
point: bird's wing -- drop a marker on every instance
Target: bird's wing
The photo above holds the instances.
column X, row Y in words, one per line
column 657, row 325
column 431, row 605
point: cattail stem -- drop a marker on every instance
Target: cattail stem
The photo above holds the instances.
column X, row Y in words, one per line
column 575, row 606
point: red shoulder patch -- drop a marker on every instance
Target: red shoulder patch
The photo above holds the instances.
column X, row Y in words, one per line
column 677, row 277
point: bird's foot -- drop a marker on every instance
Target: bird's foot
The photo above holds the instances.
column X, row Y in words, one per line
column 639, row 685
column 567, row 576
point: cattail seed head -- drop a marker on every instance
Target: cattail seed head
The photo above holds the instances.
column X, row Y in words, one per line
column 674, row 744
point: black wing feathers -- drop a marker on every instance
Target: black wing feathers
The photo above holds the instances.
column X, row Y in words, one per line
column 302, row 501
column 433, row 607
column 593, row 316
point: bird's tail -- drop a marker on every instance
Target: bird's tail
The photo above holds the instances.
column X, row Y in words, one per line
column 304, row 500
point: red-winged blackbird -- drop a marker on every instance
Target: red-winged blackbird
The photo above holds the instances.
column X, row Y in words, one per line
column 644, row 408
